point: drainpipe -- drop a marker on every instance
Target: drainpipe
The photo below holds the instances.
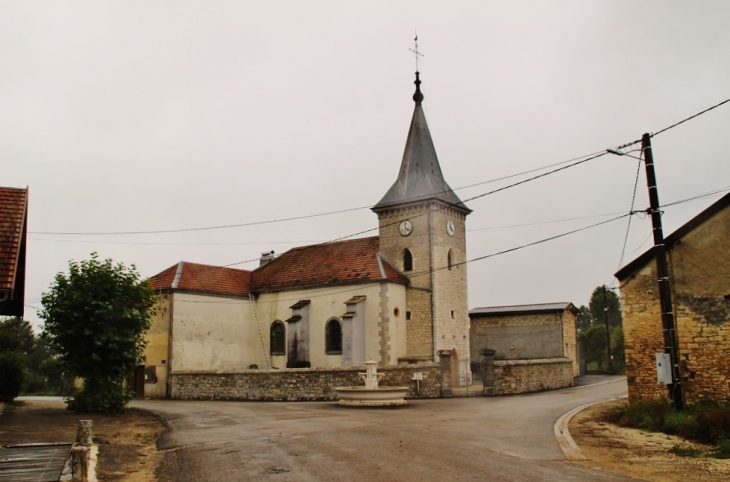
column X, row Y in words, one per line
column 168, row 388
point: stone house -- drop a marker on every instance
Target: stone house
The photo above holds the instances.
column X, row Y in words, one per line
column 698, row 260
column 13, row 241
column 398, row 298
column 524, row 332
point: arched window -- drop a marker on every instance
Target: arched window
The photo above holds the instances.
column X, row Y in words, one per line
column 450, row 259
column 407, row 261
column 277, row 338
column 333, row 338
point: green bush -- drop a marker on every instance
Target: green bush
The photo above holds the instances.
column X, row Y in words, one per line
column 644, row 414
column 722, row 450
column 111, row 398
column 11, row 376
column 713, row 425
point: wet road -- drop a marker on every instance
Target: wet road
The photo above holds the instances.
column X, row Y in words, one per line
column 466, row 439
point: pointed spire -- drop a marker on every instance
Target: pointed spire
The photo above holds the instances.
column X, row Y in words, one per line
column 420, row 176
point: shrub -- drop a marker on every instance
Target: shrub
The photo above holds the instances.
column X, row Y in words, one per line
column 11, row 376
column 644, row 414
column 713, row 425
column 112, row 398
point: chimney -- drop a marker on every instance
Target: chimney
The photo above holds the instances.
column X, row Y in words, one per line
column 266, row 257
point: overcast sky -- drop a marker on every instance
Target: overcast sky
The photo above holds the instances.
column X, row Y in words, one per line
column 143, row 116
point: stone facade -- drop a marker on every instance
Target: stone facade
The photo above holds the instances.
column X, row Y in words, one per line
column 525, row 332
column 699, row 272
column 512, row 377
column 437, row 294
column 306, row 384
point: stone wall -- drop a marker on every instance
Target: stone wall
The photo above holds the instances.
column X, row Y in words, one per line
column 298, row 384
column 525, row 376
column 519, row 336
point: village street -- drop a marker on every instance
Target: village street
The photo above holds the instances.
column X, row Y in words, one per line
column 503, row 438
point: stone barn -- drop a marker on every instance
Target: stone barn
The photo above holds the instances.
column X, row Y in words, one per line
column 698, row 261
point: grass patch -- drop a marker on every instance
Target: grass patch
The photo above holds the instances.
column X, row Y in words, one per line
column 686, row 451
column 705, row 423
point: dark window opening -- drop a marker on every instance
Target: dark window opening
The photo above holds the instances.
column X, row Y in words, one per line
column 407, row 261
column 333, row 338
column 450, row 259
column 408, row 315
column 277, row 338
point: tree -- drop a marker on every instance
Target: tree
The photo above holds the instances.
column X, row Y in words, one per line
column 591, row 326
column 15, row 339
column 95, row 318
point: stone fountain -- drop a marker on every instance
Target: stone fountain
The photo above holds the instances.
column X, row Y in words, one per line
column 371, row 395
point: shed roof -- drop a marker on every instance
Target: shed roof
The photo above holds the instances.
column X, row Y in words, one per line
column 670, row 240
column 523, row 309
column 13, row 238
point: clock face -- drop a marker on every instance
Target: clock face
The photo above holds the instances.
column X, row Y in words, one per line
column 405, row 228
column 450, row 228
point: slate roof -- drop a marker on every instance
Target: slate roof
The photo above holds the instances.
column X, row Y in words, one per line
column 523, row 309
column 202, row 278
column 420, row 175
column 670, row 240
column 329, row 264
column 13, row 236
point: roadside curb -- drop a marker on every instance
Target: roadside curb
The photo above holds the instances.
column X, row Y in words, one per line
column 562, row 434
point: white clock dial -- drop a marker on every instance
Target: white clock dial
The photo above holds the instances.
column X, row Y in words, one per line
column 405, row 228
column 450, row 228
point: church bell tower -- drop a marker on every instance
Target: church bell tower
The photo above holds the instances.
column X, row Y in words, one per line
column 422, row 233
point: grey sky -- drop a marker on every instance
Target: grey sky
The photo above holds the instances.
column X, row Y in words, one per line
column 137, row 116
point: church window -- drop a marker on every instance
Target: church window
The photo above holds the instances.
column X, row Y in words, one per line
column 277, row 338
column 407, row 261
column 408, row 315
column 450, row 259
column 333, row 337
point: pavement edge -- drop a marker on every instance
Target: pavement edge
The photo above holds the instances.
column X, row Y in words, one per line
column 562, row 434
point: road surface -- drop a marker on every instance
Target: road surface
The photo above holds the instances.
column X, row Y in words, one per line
column 465, row 439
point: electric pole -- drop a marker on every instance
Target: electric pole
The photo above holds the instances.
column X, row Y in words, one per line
column 665, row 293
column 608, row 331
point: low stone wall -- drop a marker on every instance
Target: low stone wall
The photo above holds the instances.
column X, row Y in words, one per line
column 302, row 384
column 524, row 376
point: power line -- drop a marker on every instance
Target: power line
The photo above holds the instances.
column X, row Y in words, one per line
column 691, row 117
column 631, row 209
column 308, row 216
column 440, row 268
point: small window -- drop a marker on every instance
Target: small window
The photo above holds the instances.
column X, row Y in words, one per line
column 408, row 315
column 450, row 259
column 277, row 338
column 407, row 261
column 452, row 314
column 333, row 338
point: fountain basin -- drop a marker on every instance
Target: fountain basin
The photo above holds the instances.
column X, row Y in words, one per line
column 371, row 397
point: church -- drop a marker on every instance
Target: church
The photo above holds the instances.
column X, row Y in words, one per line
column 399, row 298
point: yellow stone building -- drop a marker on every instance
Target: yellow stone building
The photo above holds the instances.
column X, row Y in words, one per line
column 698, row 259
column 397, row 298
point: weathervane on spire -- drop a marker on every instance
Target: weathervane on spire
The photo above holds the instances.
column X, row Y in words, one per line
column 416, row 52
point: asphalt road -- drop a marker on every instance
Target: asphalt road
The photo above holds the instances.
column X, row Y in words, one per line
column 465, row 439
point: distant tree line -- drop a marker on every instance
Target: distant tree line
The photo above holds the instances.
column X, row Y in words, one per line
column 28, row 364
column 591, row 326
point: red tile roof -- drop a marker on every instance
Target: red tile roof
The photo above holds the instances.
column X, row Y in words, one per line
column 204, row 279
column 330, row 264
column 13, row 234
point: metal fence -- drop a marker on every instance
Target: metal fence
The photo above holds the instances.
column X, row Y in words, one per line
column 467, row 378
